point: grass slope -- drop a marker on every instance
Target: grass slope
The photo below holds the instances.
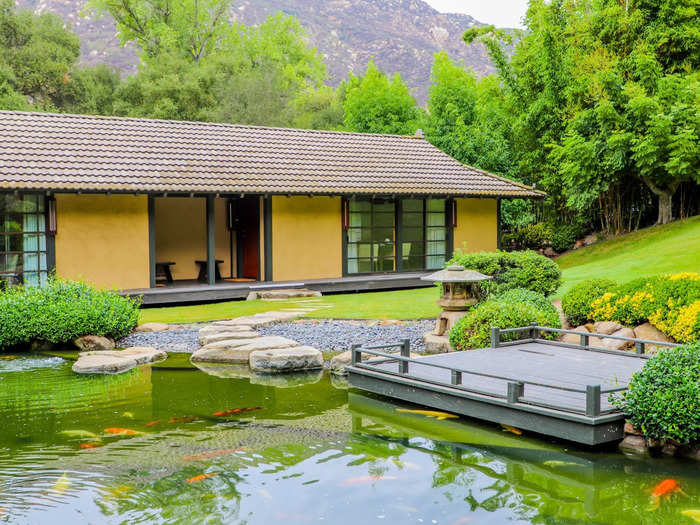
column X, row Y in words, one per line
column 670, row 248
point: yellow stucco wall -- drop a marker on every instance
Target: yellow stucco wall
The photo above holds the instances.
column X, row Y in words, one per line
column 477, row 225
column 181, row 234
column 306, row 238
column 103, row 239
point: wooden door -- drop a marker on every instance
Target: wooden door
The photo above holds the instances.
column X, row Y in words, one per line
column 247, row 226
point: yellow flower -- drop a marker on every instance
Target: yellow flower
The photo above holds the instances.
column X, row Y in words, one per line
column 684, row 275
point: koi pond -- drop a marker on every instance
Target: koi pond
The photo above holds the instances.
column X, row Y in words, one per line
column 173, row 444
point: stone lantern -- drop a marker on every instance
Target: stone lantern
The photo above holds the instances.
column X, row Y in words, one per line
column 461, row 289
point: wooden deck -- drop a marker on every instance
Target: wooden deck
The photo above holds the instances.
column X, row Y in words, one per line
column 194, row 291
column 537, row 385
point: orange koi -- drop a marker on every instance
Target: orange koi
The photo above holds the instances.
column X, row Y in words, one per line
column 365, row 479
column 89, row 445
column 186, row 419
column 664, row 490
column 154, row 423
column 119, row 430
column 235, row 411
column 512, row 430
column 194, row 479
column 212, row 454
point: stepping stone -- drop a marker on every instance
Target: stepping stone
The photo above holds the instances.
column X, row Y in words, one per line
column 286, row 359
column 237, row 351
column 209, row 338
column 229, row 325
column 279, row 294
column 217, row 329
column 152, row 327
column 263, row 319
column 116, row 361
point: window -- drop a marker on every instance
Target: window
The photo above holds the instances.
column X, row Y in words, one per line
column 23, row 252
column 408, row 235
column 371, row 236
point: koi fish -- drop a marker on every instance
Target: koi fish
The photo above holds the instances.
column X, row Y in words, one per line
column 79, row 434
column 365, row 479
column 693, row 514
column 664, row 490
column 513, row 430
column 558, row 463
column 8, row 357
column 195, row 479
column 122, row 431
column 90, row 445
column 62, row 484
column 235, row 411
column 428, row 413
column 211, row 454
column 186, row 419
column 154, row 423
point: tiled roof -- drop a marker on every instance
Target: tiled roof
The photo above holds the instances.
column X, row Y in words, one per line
column 61, row 152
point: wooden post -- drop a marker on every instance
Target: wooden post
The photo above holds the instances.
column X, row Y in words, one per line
column 456, row 377
column 211, row 241
column 495, row 336
column 584, row 340
column 593, row 400
column 355, row 354
column 152, row 241
column 516, row 389
column 405, row 352
column 534, row 331
column 639, row 347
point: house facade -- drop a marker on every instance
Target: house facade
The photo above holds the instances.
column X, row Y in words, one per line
column 139, row 205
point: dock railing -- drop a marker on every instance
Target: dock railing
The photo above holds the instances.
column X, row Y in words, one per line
column 515, row 393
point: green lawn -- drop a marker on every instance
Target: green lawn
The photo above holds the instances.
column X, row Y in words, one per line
column 399, row 304
column 671, row 248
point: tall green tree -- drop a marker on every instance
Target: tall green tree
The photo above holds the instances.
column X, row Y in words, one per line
column 376, row 104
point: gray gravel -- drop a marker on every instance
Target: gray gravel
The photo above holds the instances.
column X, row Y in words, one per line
column 326, row 335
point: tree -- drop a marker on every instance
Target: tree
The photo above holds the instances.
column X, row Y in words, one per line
column 376, row 104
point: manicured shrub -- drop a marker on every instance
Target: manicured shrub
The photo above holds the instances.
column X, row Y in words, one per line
column 510, row 310
column 564, row 237
column 61, row 311
column 669, row 302
column 663, row 399
column 532, row 236
column 576, row 303
column 513, row 270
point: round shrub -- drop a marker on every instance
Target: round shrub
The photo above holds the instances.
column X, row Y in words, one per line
column 663, row 398
column 62, row 310
column 522, row 295
column 474, row 329
column 510, row 270
column 564, row 237
column 576, row 303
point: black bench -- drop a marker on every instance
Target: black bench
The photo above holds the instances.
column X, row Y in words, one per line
column 163, row 269
column 204, row 275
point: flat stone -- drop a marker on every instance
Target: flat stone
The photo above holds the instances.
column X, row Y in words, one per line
column 286, row 359
column 436, row 344
column 152, row 327
column 97, row 363
column 282, row 293
column 262, row 319
column 649, row 332
column 93, row 342
column 237, row 351
column 209, row 338
column 288, row 380
column 227, row 324
column 140, row 354
column 606, row 327
column 615, row 344
column 635, row 444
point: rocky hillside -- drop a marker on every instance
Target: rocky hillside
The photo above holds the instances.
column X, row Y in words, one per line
column 401, row 35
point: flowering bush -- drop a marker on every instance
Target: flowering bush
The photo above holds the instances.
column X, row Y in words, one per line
column 576, row 303
column 669, row 302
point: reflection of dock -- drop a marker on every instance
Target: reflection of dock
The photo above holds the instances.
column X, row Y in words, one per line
column 535, row 384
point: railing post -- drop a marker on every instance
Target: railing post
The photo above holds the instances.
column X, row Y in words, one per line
column 355, row 354
column 405, row 352
column 593, row 400
column 639, row 347
column 456, row 377
column 516, row 389
column 534, row 331
column 584, row 340
column 495, row 336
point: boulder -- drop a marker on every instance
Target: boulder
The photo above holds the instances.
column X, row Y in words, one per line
column 669, row 449
column 93, row 342
column 101, row 363
column 616, row 344
column 152, row 327
column 574, row 339
column 606, row 327
column 590, row 239
column 630, row 429
column 635, row 444
column 649, row 332
column 286, row 359
column 237, row 351
column 140, row 354
column 579, row 244
column 215, row 337
column 549, row 252
column 436, row 344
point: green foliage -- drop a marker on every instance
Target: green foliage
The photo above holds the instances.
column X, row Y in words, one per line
column 61, row 311
column 515, row 308
column 512, row 270
column 376, row 104
column 533, row 237
column 663, row 398
column 564, row 236
column 576, row 303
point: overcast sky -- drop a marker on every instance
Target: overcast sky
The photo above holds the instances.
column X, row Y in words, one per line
column 501, row 13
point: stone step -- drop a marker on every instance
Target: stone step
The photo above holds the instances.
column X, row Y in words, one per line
column 238, row 350
column 294, row 359
column 116, row 361
column 226, row 336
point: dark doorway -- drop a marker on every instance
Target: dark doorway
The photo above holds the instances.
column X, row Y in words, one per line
column 246, row 223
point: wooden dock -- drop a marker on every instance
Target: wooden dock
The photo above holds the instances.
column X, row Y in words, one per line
column 535, row 384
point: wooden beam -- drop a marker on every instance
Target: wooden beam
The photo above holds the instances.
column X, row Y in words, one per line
column 152, row 241
column 211, row 240
column 267, row 229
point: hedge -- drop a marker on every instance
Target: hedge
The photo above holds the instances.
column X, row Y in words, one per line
column 576, row 303
column 62, row 310
column 510, row 270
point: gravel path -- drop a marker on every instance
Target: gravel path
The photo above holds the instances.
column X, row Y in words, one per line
column 326, row 335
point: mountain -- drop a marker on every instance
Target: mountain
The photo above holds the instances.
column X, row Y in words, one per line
column 400, row 35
